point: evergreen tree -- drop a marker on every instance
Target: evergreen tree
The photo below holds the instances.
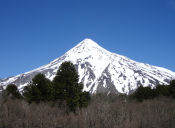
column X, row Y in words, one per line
column 162, row 90
column 172, row 88
column 84, row 99
column 67, row 88
column 38, row 90
column 31, row 93
column 12, row 92
column 142, row 93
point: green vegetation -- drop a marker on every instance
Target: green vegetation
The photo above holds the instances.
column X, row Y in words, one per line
column 38, row 90
column 144, row 93
column 11, row 92
column 66, row 87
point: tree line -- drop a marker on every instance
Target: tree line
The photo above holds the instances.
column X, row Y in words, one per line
column 64, row 90
column 144, row 93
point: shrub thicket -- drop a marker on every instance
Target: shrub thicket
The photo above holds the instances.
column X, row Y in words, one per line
column 102, row 112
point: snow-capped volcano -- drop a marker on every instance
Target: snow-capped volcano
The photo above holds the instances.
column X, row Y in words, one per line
column 100, row 70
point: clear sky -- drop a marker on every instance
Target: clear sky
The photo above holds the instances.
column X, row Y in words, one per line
column 35, row 32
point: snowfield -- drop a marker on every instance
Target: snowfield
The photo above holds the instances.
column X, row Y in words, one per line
column 100, row 70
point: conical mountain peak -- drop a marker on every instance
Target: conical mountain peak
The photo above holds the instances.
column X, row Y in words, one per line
column 100, row 70
column 86, row 46
column 88, row 43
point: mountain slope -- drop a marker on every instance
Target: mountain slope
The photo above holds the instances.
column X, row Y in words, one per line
column 100, row 70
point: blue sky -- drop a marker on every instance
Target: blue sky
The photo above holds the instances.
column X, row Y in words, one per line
column 35, row 32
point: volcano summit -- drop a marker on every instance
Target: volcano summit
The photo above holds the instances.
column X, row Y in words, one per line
column 100, row 70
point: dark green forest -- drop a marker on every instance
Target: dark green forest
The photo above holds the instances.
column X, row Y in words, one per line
column 62, row 103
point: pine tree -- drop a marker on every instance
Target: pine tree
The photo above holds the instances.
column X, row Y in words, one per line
column 84, row 99
column 162, row 90
column 38, row 90
column 12, row 92
column 143, row 93
column 31, row 93
column 172, row 88
column 68, row 89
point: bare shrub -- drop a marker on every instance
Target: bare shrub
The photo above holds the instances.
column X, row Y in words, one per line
column 102, row 112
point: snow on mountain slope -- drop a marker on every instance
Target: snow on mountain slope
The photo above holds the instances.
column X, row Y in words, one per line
column 100, row 70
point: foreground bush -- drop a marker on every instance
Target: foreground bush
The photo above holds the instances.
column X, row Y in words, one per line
column 102, row 112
